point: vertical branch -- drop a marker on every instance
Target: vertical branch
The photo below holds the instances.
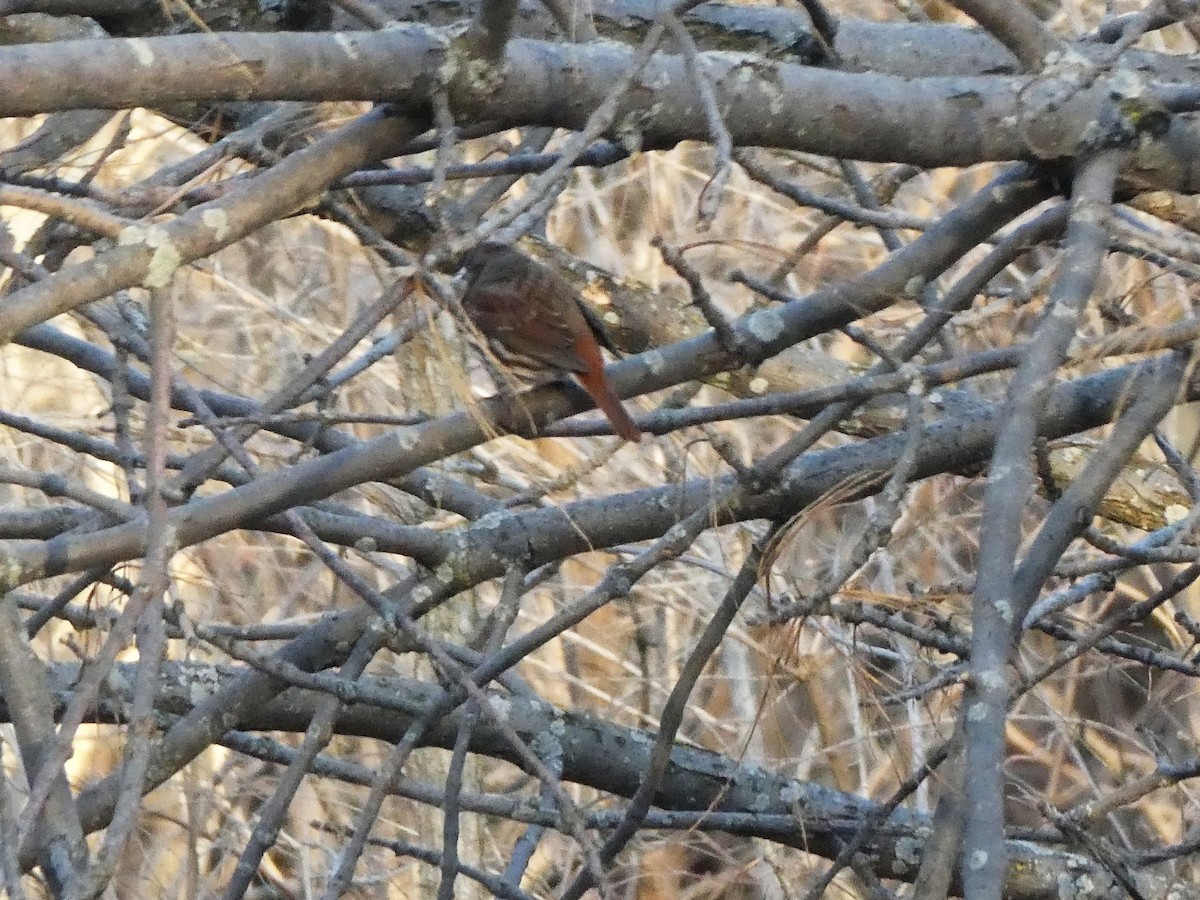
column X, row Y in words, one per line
column 672, row 715
column 316, row 738
column 491, row 28
column 1010, row 481
column 146, row 606
column 54, row 831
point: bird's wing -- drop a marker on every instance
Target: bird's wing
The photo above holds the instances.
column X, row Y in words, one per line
column 546, row 333
column 599, row 327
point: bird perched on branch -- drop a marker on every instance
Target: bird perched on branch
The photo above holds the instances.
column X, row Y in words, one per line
column 534, row 323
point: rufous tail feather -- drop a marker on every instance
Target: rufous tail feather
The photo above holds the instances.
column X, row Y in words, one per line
column 597, row 386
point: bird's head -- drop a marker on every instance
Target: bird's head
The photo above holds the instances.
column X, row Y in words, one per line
column 481, row 256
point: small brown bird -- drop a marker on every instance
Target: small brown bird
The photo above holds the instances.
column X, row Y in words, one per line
column 534, row 323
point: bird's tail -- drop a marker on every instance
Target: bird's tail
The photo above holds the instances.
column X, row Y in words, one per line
column 597, row 386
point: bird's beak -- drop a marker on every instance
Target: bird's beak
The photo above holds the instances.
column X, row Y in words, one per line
column 461, row 278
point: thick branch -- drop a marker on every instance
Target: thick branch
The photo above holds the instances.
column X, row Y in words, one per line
column 730, row 794
column 929, row 122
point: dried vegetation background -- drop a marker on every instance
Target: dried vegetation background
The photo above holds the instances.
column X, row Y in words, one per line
column 843, row 670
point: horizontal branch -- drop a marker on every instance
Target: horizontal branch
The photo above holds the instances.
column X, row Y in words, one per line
column 923, row 121
column 747, row 799
column 908, row 49
column 545, row 535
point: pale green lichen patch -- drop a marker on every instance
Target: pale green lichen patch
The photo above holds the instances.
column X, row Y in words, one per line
column 349, row 45
column 132, row 234
column 1005, row 610
column 142, row 51
column 12, row 573
column 406, row 439
column 217, row 220
column 765, row 325
column 165, row 261
column 655, row 362
column 629, row 128
column 992, row 681
column 792, row 793
column 501, row 707
column 908, row 854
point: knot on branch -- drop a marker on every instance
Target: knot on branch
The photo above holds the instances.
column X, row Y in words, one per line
column 473, row 69
column 1072, row 110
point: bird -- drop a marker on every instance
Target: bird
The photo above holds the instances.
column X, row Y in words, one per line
column 535, row 323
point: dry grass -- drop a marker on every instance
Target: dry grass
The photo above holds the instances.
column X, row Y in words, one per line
column 815, row 699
